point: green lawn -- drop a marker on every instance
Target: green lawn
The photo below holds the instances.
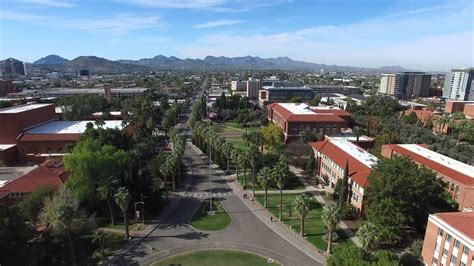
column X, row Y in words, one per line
column 206, row 222
column 292, row 184
column 216, row 257
column 239, row 144
column 314, row 226
column 112, row 243
column 236, row 125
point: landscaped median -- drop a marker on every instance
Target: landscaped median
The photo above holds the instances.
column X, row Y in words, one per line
column 217, row 257
column 315, row 229
column 219, row 219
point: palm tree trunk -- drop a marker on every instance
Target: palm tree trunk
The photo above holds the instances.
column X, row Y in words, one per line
column 253, row 181
column 111, row 211
column 125, row 222
column 172, row 181
column 302, row 226
column 281, row 204
column 266, row 196
column 245, row 177
column 329, row 241
column 71, row 248
column 228, row 165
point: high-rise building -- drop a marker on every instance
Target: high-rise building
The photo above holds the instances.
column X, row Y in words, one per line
column 14, row 67
column 253, row 86
column 458, row 84
column 406, row 84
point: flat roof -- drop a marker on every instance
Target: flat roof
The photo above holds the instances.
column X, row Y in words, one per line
column 303, row 88
column 92, row 90
column 440, row 159
column 23, row 108
column 6, row 146
column 71, row 127
column 297, row 108
column 355, row 151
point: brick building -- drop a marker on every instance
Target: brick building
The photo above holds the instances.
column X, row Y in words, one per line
column 331, row 156
column 294, row 118
column 449, row 239
column 6, row 87
column 465, row 107
column 458, row 176
column 49, row 174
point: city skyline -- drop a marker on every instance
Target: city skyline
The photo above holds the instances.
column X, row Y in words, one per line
column 414, row 34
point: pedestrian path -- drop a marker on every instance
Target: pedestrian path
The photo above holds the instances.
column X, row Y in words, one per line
column 204, row 195
column 303, row 178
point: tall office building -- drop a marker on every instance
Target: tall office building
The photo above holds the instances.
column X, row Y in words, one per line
column 14, row 67
column 253, row 86
column 458, row 84
column 406, row 84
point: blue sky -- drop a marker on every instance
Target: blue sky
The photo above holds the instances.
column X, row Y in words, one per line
column 419, row 34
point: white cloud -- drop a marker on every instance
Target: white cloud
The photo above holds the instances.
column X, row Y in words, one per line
column 207, row 5
column 118, row 24
column 50, row 3
column 217, row 23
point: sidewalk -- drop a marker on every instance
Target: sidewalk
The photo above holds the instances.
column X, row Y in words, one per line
column 300, row 174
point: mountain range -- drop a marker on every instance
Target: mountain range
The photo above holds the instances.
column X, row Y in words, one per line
column 161, row 62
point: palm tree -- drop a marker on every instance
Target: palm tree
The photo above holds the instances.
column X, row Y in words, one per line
column 244, row 162
column 331, row 217
column 105, row 192
column 227, row 148
column 122, row 198
column 280, row 176
column 303, row 207
column 236, row 158
column 252, row 155
column 368, row 236
column 60, row 214
column 99, row 238
column 264, row 178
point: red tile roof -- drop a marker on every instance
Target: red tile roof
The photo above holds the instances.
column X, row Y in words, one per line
column 461, row 221
column 326, row 116
column 437, row 167
column 357, row 170
column 50, row 173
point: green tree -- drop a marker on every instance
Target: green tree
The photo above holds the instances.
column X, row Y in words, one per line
column 353, row 255
column 303, row 205
column 30, row 206
column 227, row 149
column 273, row 135
column 331, row 217
column 264, row 178
column 280, row 176
column 315, row 101
column 368, row 236
column 105, row 192
column 344, row 189
column 123, row 198
column 82, row 106
column 296, row 99
column 253, row 156
column 15, row 235
column 99, row 237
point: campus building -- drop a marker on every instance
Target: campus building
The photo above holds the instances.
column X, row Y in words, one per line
column 331, row 157
column 32, row 133
column 346, row 90
column 465, row 107
column 458, row 176
column 406, row 84
column 458, row 84
column 49, row 174
column 294, row 118
column 449, row 239
column 283, row 94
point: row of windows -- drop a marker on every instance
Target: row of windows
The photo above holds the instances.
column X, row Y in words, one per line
column 457, row 243
column 299, row 129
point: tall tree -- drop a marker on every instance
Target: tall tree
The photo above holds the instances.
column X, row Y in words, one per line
column 344, row 189
column 273, row 135
column 264, row 178
column 82, row 106
column 123, row 198
column 303, row 207
column 227, row 149
column 105, row 192
column 253, row 158
column 280, row 176
column 368, row 236
column 331, row 217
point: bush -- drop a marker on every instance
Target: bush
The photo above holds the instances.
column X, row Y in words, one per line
column 349, row 212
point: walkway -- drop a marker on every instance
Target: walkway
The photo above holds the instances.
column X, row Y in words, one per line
column 319, row 191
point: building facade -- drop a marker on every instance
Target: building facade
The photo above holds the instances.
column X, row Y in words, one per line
column 406, row 85
column 294, row 119
column 253, row 87
column 6, row 87
column 346, row 90
column 332, row 155
column 449, row 239
column 458, row 84
column 14, row 67
column 283, row 94
column 458, row 176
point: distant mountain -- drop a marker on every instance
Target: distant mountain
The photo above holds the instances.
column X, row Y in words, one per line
column 248, row 62
column 161, row 62
column 51, row 60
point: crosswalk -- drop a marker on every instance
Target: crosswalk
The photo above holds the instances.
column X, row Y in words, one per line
column 202, row 195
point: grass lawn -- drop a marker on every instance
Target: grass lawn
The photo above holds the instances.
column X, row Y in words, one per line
column 112, row 243
column 292, row 184
column 216, row 257
column 239, row 144
column 314, row 226
column 206, row 222
column 236, row 125
column 131, row 226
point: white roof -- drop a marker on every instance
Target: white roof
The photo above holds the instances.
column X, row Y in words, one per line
column 441, row 159
column 3, row 182
column 6, row 146
column 297, row 108
column 355, row 151
column 111, row 113
column 22, row 108
column 71, row 127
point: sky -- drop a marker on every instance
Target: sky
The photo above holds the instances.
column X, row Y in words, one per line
column 434, row 35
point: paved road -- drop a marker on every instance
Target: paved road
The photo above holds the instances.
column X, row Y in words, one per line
column 247, row 232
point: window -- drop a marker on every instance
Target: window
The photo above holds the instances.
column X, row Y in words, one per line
column 457, row 243
column 448, row 238
column 435, row 261
column 445, row 252
column 466, row 250
column 463, row 264
column 440, row 232
column 453, row 260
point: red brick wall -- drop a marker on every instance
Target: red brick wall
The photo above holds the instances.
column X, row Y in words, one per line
column 6, row 86
column 453, row 107
column 8, row 156
column 429, row 243
column 34, row 147
column 13, row 123
column 469, row 110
